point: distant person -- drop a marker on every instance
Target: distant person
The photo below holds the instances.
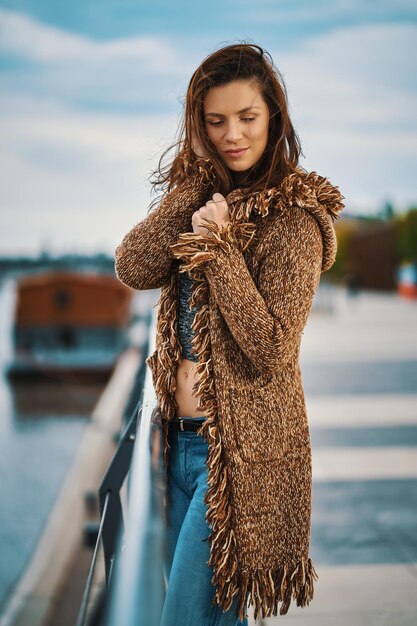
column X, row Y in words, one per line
column 237, row 246
column 353, row 284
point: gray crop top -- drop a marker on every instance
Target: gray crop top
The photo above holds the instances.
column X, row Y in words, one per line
column 185, row 316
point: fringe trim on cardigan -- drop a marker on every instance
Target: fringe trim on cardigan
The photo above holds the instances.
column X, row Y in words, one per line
column 298, row 188
column 307, row 189
column 169, row 348
column 166, row 351
column 199, row 248
column 223, row 555
column 301, row 188
column 264, row 589
column 203, row 165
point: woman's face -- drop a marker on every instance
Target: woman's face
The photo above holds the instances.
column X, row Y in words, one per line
column 236, row 116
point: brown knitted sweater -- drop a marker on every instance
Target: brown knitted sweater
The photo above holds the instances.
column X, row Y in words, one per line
column 255, row 279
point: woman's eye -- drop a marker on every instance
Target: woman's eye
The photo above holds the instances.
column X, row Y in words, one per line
column 245, row 119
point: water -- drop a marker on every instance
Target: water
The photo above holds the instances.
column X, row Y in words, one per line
column 41, row 424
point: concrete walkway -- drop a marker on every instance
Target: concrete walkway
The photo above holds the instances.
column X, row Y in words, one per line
column 361, row 595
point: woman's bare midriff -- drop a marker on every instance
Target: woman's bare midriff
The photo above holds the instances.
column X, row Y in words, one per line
column 184, row 395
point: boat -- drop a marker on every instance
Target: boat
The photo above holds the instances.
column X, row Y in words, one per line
column 69, row 325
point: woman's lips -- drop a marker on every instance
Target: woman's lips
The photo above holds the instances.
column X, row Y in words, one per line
column 236, row 153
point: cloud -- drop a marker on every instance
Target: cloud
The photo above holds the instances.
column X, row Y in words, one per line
column 70, row 152
column 25, row 37
column 323, row 11
column 78, row 180
column 358, row 76
column 70, row 68
column 353, row 97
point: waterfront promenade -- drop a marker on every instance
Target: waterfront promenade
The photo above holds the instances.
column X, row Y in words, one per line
column 359, row 368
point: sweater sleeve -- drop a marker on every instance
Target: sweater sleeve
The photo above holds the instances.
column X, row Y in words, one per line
column 266, row 318
column 143, row 259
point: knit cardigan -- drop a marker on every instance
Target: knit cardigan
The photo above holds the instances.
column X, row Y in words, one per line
column 255, row 279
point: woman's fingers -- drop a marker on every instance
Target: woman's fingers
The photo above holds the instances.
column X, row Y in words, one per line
column 195, row 144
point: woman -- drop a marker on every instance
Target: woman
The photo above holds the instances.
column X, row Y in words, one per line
column 250, row 231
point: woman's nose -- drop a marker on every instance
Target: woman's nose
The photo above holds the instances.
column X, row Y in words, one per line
column 233, row 131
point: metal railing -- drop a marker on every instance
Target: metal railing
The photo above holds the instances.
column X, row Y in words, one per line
column 111, row 515
column 133, row 548
column 138, row 590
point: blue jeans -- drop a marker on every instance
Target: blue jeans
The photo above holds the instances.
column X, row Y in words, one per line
column 190, row 590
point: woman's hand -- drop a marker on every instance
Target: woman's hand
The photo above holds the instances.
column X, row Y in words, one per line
column 196, row 146
column 216, row 210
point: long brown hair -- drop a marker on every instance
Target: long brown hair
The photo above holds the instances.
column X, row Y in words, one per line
column 243, row 61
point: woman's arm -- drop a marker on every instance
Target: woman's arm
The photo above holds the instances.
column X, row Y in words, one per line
column 267, row 318
column 143, row 258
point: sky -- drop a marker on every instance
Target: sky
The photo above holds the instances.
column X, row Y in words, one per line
column 91, row 95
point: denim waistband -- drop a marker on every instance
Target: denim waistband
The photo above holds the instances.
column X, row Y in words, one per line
column 194, row 419
column 187, row 433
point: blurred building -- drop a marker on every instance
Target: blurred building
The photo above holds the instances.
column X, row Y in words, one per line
column 368, row 252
